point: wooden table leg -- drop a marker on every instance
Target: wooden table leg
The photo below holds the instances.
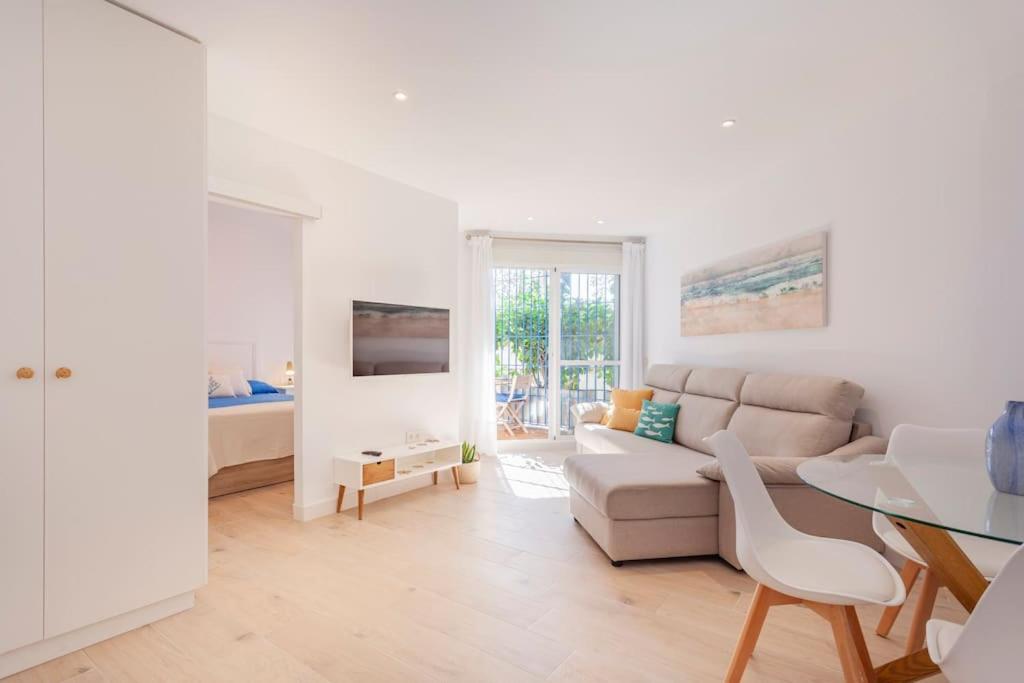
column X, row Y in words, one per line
column 435, row 478
column 954, row 570
column 362, row 492
column 455, row 473
column 943, row 556
column 341, row 497
column 908, row 668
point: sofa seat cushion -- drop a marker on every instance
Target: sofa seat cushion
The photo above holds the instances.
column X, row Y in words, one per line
column 773, row 471
column 598, row 438
column 644, row 485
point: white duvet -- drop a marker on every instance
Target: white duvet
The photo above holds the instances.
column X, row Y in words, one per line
column 246, row 433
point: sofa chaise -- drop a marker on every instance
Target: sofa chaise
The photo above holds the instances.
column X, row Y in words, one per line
column 645, row 499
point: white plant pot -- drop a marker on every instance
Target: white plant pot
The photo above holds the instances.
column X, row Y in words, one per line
column 469, row 473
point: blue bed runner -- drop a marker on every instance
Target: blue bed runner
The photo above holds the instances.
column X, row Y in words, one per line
column 227, row 401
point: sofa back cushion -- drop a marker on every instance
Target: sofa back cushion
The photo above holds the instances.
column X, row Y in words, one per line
column 793, row 415
column 632, row 399
column 667, row 381
column 710, row 398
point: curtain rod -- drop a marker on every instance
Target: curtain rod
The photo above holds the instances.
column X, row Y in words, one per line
column 559, row 240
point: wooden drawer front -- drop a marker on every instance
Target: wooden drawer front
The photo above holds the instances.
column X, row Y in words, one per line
column 378, row 471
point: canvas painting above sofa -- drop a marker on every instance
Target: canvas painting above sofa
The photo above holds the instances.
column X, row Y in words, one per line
column 778, row 287
column 641, row 499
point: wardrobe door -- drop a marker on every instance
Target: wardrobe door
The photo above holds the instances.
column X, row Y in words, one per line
column 21, row 310
column 125, row 268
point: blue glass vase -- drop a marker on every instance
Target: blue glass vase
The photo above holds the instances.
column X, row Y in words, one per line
column 1004, row 450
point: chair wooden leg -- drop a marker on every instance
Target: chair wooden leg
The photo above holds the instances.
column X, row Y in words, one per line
column 341, row 496
column 503, row 418
column 909, row 575
column 850, row 657
column 455, row 475
column 517, row 416
column 922, row 611
column 748, row 636
column 858, row 642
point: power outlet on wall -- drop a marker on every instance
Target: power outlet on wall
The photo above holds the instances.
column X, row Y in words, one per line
column 413, row 437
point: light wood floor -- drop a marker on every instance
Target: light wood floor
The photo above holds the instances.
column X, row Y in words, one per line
column 518, row 434
column 491, row 583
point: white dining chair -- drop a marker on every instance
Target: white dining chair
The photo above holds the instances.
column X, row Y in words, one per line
column 827, row 575
column 987, row 647
column 909, row 444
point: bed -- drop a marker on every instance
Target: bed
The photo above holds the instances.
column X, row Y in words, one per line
column 251, row 438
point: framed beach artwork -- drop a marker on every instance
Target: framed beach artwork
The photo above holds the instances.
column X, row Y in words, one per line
column 779, row 287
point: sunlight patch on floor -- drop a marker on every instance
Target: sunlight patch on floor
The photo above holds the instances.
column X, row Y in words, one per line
column 529, row 476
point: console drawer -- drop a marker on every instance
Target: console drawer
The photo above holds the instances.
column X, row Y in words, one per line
column 376, row 472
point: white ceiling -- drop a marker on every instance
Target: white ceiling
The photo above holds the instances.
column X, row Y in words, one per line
column 571, row 110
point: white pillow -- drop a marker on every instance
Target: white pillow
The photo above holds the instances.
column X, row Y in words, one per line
column 220, row 386
column 239, row 385
column 590, row 412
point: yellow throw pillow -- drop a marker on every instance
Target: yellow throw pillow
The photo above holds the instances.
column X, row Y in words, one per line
column 625, row 419
column 634, row 400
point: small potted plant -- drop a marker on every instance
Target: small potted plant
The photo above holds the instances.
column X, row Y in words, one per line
column 469, row 470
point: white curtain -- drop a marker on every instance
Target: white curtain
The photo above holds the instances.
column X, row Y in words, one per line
column 631, row 374
column 477, row 418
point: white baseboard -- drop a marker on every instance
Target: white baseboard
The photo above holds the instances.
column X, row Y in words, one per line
column 307, row 513
column 327, row 506
column 32, row 655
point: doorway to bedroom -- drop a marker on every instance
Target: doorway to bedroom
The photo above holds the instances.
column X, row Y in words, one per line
column 252, row 276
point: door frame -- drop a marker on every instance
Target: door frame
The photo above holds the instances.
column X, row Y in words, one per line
column 555, row 366
column 554, row 370
column 306, row 214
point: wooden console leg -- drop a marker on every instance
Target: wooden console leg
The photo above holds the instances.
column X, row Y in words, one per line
column 341, row 497
column 435, row 478
column 362, row 492
column 455, row 473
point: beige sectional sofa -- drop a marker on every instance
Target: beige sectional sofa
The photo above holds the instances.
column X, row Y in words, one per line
column 643, row 499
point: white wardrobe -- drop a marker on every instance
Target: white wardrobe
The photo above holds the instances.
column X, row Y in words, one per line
column 102, row 370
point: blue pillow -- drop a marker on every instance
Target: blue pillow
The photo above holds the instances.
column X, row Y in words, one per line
column 259, row 387
column 657, row 421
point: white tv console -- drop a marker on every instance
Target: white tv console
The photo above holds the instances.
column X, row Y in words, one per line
column 396, row 463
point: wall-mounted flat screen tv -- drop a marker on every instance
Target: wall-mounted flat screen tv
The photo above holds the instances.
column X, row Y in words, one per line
column 394, row 339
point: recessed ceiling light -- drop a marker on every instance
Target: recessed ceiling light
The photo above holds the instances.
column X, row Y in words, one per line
column 600, row 221
column 728, row 123
column 400, row 96
column 529, row 218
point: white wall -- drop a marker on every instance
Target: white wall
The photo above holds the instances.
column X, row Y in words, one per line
column 925, row 201
column 249, row 284
column 378, row 240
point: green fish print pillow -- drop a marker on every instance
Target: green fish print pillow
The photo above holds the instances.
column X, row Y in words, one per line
column 657, row 421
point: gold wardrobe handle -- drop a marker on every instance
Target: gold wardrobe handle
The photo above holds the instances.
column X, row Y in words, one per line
column 63, row 373
column 25, row 373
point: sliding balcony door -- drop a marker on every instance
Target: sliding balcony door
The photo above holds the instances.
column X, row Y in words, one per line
column 522, row 340
column 559, row 328
column 589, row 357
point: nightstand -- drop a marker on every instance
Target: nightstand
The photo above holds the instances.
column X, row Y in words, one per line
column 286, row 388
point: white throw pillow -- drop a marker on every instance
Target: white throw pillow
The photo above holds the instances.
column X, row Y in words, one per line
column 590, row 412
column 239, row 385
column 220, row 386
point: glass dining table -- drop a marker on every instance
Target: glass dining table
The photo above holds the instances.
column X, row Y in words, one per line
column 926, row 498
